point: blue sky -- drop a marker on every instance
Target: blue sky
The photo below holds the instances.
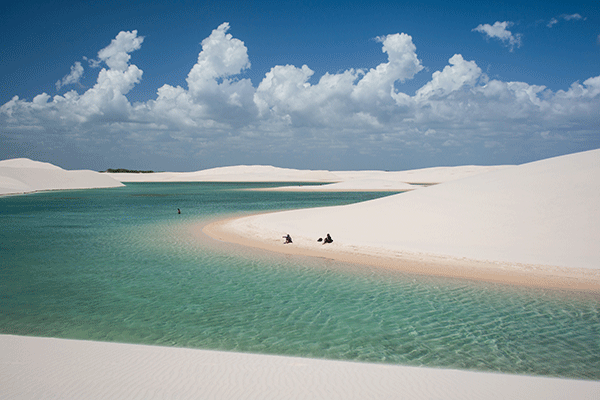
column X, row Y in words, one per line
column 389, row 85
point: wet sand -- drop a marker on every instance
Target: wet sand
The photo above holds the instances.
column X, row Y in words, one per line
column 542, row 276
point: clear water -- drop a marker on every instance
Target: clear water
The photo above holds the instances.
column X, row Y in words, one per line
column 120, row 265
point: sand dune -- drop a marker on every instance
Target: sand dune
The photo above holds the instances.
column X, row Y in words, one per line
column 34, row 368
column 541, row 213
column 393, row 181
column 333, row 180
column 21, row 175
column 240, row 173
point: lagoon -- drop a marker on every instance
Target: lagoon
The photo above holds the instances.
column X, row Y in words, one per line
column 121, row 265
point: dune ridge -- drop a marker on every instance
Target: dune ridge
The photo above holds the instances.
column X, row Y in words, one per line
column 22, row 175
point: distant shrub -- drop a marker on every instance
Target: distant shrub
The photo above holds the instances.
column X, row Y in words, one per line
column 122, row 170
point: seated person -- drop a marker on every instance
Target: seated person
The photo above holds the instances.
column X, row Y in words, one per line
column 288, row 239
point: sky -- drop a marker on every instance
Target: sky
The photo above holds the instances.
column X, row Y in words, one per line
column 387, row 85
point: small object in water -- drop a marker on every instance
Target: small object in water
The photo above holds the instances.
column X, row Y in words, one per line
column 178, row 211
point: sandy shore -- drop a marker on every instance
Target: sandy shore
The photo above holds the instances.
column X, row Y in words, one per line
column 530, row 275
column 535, row 224
column 35, row 368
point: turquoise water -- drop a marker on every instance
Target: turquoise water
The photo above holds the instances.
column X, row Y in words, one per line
column 120, row 265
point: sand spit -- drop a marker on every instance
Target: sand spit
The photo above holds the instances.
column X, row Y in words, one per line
column 540, row 218
column 21, row 175
column 34, row 368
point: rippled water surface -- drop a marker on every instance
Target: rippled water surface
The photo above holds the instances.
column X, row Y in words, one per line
column 121, row 265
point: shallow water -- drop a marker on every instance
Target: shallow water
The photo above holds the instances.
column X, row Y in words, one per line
column 121, row 265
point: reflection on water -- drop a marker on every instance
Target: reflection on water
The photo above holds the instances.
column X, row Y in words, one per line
column 122, row 265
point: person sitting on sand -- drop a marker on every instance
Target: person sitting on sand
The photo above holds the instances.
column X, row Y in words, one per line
column 328, row 239
column 288, row 239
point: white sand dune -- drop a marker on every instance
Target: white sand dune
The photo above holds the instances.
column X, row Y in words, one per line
column 337, row 180
column 240, row 173
column 21, row 175
column 541, row 213
column 393, row 181
column 36, row 368
column 419, row 176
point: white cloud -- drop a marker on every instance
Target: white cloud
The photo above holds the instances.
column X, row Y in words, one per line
column 499, row 31
column 402, row 64
column 566, row 17
column 222, row 55
column 73, row 77
column 116, row 54
column 220, row 112
column 214, row 93
column 457, row 75
column 353, row 98
column 572, row 17
column 105, row 102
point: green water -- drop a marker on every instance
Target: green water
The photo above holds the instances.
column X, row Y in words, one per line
column 121, row 265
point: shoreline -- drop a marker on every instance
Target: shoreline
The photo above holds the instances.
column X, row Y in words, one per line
column 41, row 367
column 526, row 275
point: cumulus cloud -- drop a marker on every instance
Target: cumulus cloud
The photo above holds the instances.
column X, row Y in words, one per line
column 353, row 97
column 216, row 97
column 116, row 55
column 105, row 102
column 289, row 112
column 499, row 31
column 73, row 77
column 456, row 76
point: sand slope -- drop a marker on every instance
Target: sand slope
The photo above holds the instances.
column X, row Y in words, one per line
column 21, row 175
column 545, row 212
column 34, row 368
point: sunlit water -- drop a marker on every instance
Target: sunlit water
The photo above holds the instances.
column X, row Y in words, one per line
column 121, row 265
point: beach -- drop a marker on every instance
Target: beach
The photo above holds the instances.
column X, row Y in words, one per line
column 529, row 225
column 585, row 280
column 534, row 224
